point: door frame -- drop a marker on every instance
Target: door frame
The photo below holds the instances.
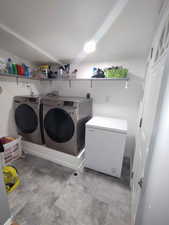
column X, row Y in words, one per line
column 153, row 64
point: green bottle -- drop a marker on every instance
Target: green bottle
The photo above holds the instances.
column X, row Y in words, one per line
column 14, row 69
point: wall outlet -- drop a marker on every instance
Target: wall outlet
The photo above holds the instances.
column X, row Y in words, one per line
column 1, row 90
column 107, row 99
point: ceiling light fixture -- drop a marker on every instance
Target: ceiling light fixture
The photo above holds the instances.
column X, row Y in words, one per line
column 90, row 47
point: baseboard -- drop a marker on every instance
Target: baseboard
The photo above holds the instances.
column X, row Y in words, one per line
column 73, row 162
column 8, row 222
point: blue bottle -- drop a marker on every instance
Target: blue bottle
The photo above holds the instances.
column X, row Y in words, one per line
column 27, row 70
column 9, row 66
column 94, row 71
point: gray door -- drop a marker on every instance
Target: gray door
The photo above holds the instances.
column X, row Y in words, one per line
column 4, row 208
column 155, row 74
column 154, row 204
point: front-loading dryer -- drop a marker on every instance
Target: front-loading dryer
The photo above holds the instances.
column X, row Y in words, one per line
column 28, row 118
column 64, row 122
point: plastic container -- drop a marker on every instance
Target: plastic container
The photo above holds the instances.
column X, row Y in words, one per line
column 94, row 71
column 3, row 66
column 116, row 73
column 12, row 151
column 27, row 70
column 9, row 66
column 20, row 70
column 14, row 68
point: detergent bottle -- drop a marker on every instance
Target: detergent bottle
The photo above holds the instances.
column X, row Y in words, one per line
column 9, row 66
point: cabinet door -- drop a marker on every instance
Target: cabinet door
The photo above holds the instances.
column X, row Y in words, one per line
column 104, row 151
column 4, row 208
column 150, row 100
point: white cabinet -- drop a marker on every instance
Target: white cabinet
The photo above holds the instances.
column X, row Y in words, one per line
column 105, row 145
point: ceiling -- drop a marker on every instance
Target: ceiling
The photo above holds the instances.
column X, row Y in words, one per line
column 56, row 30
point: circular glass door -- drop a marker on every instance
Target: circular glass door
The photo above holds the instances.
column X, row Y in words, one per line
column 59, row 125
column 26, row 119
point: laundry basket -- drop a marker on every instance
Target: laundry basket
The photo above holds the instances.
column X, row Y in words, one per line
column 12, row 151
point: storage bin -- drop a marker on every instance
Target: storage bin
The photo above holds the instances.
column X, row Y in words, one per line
column 116, row 73
column 12, row 151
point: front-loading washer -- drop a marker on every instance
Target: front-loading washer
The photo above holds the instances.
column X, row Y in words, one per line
column 64, row 122
column 28, row 118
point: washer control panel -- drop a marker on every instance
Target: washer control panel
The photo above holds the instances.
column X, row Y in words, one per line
column 68, row 103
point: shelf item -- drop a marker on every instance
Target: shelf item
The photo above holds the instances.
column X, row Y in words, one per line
column 116, row 72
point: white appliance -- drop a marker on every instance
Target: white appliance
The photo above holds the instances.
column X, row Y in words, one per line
column 105, row 144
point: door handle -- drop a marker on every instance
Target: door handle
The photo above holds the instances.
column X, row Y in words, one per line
column 141, row 122
column 141, row 181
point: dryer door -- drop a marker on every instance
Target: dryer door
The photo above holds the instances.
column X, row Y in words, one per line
column 59, row 125
column 26, row 119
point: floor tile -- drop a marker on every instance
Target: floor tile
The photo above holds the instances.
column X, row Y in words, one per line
column 103, row 187
column 77, row 202
column 118, row 215
column 53, row 195
column 40, row 179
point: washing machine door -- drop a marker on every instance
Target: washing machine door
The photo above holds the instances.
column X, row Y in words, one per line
column 26, row 119
column 59, row 125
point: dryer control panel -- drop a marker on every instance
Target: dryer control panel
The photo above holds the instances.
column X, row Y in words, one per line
column 68, row 103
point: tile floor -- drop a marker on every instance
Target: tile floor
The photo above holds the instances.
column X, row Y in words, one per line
column 53, row 195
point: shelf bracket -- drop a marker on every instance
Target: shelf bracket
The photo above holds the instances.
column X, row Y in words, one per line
column 126, row 84
column 70, row 84
column 50, row 82
column 17, row 81
column 91, row 83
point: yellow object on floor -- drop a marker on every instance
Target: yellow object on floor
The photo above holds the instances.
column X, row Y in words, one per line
column 11, row 178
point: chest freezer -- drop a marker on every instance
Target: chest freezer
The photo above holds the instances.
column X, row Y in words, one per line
column 105, row 145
